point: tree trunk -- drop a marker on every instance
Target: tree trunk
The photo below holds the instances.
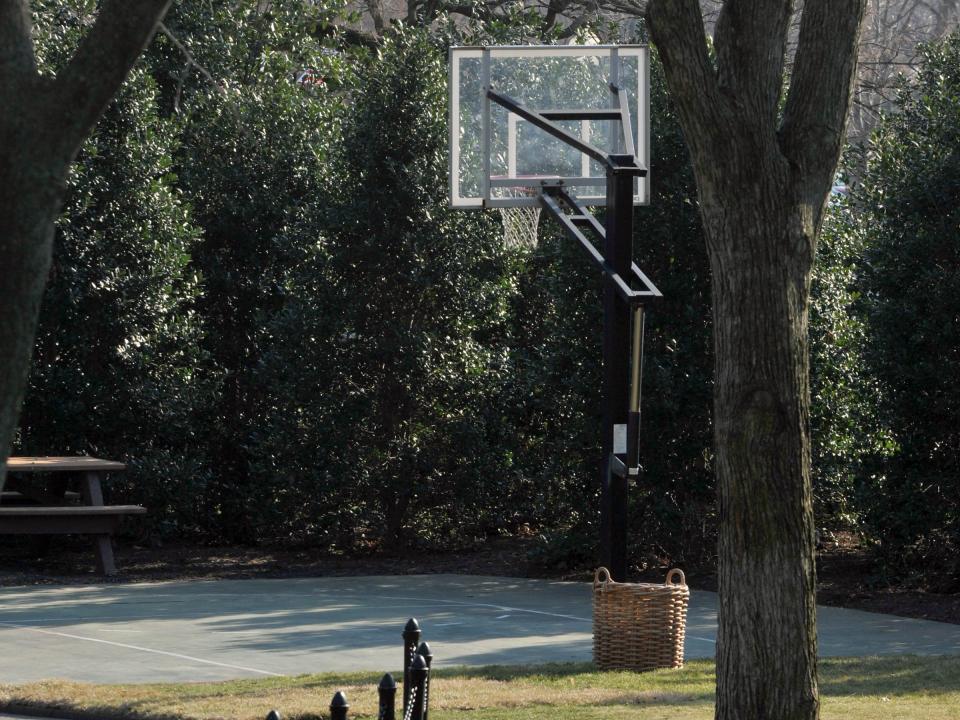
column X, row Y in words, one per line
column 764, row 169
column 28, row 210
column 766, row 644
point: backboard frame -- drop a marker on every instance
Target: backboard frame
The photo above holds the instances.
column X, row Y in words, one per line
column 589, row 187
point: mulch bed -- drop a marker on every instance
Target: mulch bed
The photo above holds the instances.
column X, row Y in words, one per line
column 846, row 574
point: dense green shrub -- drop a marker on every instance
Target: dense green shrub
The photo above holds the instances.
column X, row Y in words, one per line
column 252, row 157
column 908, row 218
column 846, row 427
column 387, row 349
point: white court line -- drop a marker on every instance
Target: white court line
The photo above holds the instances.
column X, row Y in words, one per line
column 141, row 649
column 198, row 615
column 245, row 612
column 501, row 608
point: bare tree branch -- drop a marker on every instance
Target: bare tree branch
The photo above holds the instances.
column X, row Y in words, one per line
column 375, row 8
column 191, row 60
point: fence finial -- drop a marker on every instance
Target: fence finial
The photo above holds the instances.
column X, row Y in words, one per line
column 425, row 651
column 339, row 706
column 388, row 695
column 273, row 715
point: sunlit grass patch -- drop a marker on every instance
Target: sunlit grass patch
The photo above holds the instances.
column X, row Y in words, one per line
column 906, row 688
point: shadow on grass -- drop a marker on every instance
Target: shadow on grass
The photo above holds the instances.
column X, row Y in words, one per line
column 694, row 684
column 696, row 670
column 890, row 675
column 41, row 709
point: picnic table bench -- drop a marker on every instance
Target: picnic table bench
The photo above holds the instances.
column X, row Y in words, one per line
column 38, row 501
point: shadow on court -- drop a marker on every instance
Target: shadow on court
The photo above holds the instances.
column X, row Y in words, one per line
column 208, row 630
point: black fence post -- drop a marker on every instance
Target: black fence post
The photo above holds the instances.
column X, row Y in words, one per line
column 411, row 637
column 339, row 706
column 273, row 715
column 427, row 655
column 388, row 698
column 419, row 679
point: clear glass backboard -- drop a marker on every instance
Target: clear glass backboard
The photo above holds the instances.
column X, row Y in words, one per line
column 498, row 159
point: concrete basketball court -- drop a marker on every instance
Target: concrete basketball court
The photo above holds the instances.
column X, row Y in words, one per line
column 215, row 630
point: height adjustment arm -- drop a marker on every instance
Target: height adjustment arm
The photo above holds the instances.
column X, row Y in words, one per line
column 582, row 219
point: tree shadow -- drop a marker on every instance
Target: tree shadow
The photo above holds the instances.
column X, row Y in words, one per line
column 890, row 675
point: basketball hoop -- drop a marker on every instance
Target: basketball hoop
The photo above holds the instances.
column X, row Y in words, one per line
column 520, row 223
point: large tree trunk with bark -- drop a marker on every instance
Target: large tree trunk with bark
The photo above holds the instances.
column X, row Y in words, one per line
column 43, row 122
column 766, row 646
column 26, row 237
column 763, row 178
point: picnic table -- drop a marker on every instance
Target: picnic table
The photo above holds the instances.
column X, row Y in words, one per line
column 40, row 500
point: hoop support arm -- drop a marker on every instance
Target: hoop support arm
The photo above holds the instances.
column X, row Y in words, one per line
column 572, row 224
column 539, row 120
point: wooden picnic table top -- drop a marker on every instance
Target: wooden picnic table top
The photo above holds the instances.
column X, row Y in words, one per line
column 63, row 464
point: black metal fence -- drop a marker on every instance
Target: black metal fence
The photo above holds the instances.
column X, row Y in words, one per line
column 416, row 683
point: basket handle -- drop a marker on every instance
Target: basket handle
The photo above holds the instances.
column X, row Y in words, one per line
column 671, row 577
column 602, row 578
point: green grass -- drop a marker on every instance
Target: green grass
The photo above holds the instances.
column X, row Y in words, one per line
column 888, row 688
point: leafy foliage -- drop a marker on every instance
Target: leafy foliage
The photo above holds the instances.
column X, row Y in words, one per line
column 845, row 423
column 907, row 205
column 253, row 155
column 388, row 343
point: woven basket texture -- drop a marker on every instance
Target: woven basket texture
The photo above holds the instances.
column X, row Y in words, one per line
column 639, row 626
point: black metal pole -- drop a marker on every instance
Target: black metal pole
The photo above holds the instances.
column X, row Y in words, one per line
column 617, row 252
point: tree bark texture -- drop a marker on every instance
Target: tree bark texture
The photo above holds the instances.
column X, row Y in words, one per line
column 763, row 178
column 43, row 122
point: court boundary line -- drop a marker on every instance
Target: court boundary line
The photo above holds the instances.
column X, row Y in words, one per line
column 502, row 608
column 139, row 648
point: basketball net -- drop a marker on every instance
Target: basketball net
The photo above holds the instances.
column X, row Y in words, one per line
column 520, row 223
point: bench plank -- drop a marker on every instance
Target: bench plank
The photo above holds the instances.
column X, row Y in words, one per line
column 100, row 521
column 70, row 510
column 15, row 496
column 63, row 464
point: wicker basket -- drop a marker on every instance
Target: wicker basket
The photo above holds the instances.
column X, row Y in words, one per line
column 639, row 626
